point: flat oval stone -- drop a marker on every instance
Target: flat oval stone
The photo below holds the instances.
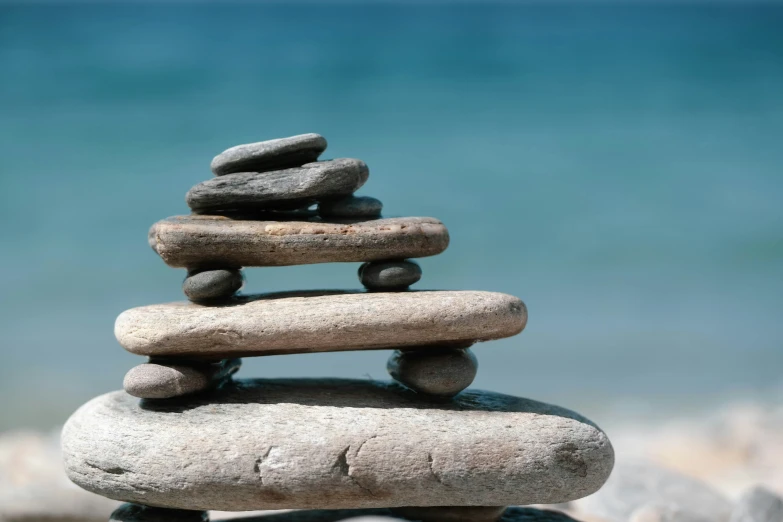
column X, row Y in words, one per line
column 267, row 155
column 331, row 443
column 278, row 189
column 351, row 207
column 302, row 322
column 138, row 513
column 192, row 241
column 211, row 285
column 441, row 372
column 158, row 380
column 389, row 275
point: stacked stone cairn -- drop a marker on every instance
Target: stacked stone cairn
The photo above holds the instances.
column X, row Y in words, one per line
column 421, row 448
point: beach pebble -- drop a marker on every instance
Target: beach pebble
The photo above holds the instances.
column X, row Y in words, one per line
column 758, row 504
column 159, row 380
column 634, row 485
column 279, row 189
column 281, row 323
column 437, row 371
column 351, row 207
column 211, row 285
column 332, row 444
column 139, row 513
column 451, row 514
column 267, row 155
column 389, row 275
column 194, row 241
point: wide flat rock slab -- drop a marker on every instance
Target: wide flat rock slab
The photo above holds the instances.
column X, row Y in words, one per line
column 319, row 321
column 220, row 241
column 331, row 443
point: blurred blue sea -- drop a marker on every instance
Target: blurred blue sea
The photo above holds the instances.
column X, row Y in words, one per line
column 619, row 167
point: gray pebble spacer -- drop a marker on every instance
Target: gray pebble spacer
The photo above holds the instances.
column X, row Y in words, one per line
column 389, row 275
column 212, row 285
column 442, row 372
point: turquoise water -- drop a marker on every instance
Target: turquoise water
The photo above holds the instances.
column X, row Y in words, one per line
column 620, row 168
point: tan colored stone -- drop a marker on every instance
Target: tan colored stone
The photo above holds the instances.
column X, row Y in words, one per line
column 332, row 443
column 194, row 241
column 302, row 322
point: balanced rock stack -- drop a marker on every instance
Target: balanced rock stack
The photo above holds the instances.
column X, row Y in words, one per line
column 422, row 446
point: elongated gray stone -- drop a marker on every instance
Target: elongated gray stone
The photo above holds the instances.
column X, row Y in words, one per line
column 278, row 189
column 331, row 443
column 351, row 207
column 301, row 322
column 163, row 380
column 194, row 241
column 389, row 275
column 212, row 285
column 442, row 372
column 138, row 513
column 267, row 155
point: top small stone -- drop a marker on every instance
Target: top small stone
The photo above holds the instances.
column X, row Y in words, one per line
column 268, row 155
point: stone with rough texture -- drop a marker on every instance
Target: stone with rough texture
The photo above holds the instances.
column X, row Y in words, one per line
column 512, row 514
column 389, row 275
column 442, row 372
column 319, row 321
column 758, row 504
column 451, row 514
column 351, row 207
column 267, row 155
column 194, row 241
column 161, row 380
column 332, row 443
column 211, row 285
column 634, row 485
column 138, row 513
column 278, row 189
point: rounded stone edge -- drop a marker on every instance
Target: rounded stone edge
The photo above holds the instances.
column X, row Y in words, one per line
column 130, row 512
column 308, row 146
column 233, row 280
column 410, row 368
column 336, row 208
column 371, row 271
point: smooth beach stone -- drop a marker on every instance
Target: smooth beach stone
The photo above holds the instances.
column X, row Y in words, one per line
column 139, row 513
column 758, row 504
column 163, row 380
column 389, row 275
column 332, row 443
column 210, row 285
column 192, row 241
column 267, row 155
column 512, row 514
column 451, row 514
column 278, row 189
column 443, row 371
column 351, row 207
column 319, row 321
column 634, row 485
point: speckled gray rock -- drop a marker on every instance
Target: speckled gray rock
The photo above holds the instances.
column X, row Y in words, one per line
column 451, row 514
column 267, row 155
column 758, row 504
column 634, row 485
column 193, row 241
column 302, row 322
column 442, row 371
column 331, row 443
column 389, row 275
column 278, row 189
column 212, row 285
column 138, row 513
column 161, row 380
column 512, row 514
column 351, row 207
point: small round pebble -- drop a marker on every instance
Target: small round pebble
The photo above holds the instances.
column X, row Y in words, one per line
column 351, row 207
column 442, row 372
column 156, row 380
column 139, row 513
column 451, row 514
column 389, row 275
column 281, row 153
column 212, row 285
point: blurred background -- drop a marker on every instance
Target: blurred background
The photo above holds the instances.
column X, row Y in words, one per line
column 615, row 165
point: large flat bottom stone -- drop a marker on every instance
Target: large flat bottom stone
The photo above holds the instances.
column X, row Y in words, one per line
column 319, row 321
column 280, row 444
